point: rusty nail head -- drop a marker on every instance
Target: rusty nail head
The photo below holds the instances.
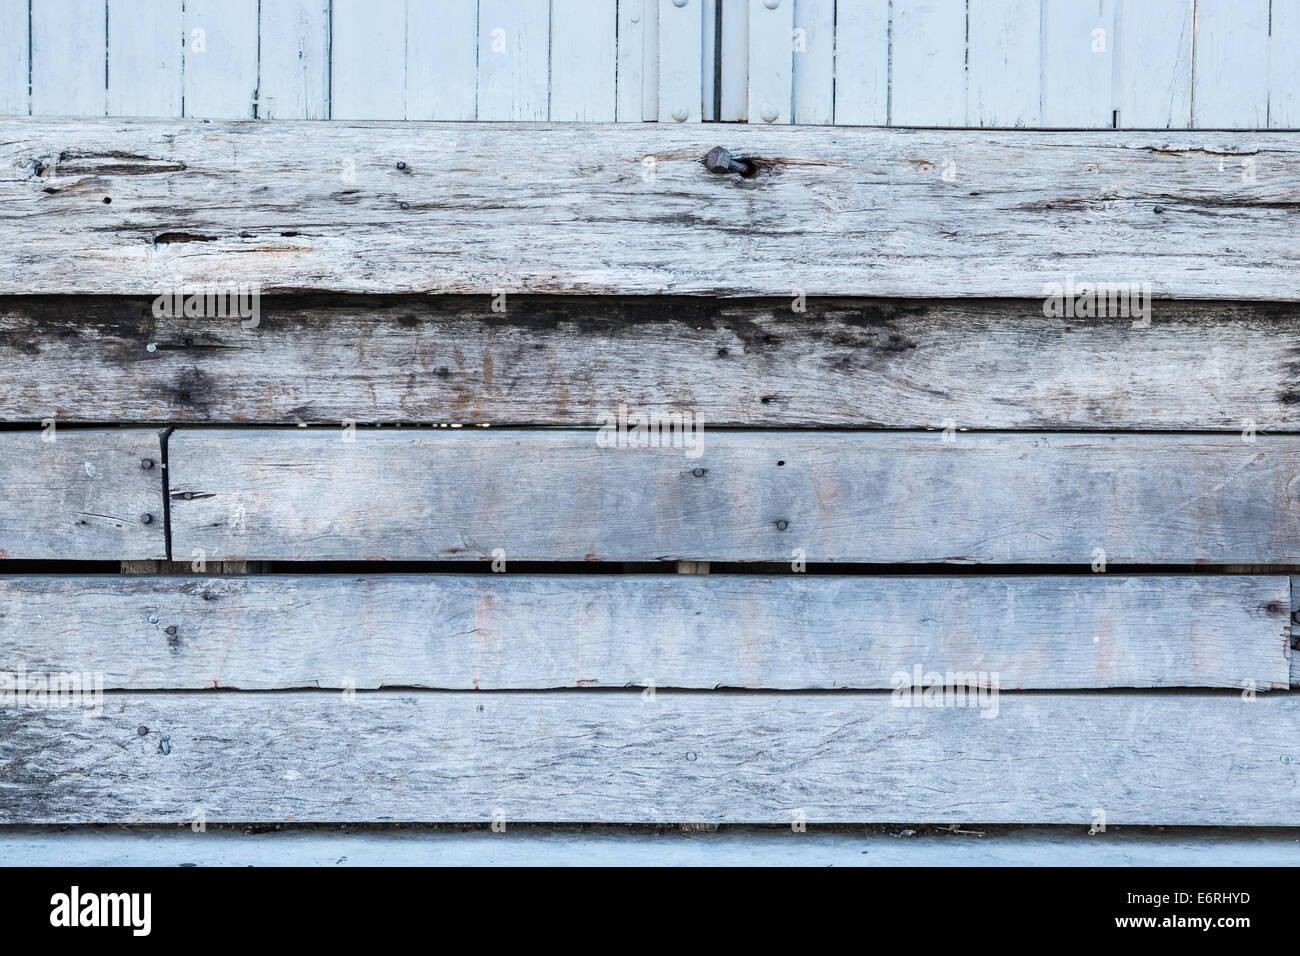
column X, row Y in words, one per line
column 146, row 518
column 782, row 525
column 171, row 629
column 401, row 165
column 142, row 730
column 719, row 160
column 1158, row 210
column 698, row 473
column 146, row 463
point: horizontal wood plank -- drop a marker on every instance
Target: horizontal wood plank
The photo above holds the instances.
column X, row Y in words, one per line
column 313, row 494
column 81, row 495
column 566, row 360
column 102, row 206
column 495, row 632
column 1138, row 757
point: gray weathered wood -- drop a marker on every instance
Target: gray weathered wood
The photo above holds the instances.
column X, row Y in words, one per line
column 81, row 496
column 798, row 632
column 313, row 494
column 1141, row 757
column 1295, row 629
column 563, row 361
column 845, row 211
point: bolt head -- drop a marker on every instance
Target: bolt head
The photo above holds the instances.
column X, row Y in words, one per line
column 146, row 463
column 142, row 730
column 782, row 525
column 771, row 4
column 679, row 3
column 770, row 114
column 171, row 629
column 717, row 160
column 146, row 518
column 401, row 165
column 680, row 114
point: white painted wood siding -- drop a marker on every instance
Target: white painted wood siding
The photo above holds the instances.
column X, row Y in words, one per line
column 1131, row 64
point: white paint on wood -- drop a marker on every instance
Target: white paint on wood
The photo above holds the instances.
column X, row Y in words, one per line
column 1004, row 69
column 681, row 83
column 442, row 60
column 513, row 59
column 814, row 61
column 220, row 58
column 844, row 212
column 1143, row 757
column 583, row 50
column 1078, row 63
column 1284, row 64
column 632, row 39
column 1231, row 67
column 68, row 58
column 368, row 60
column 862, row 39
column 733, row 62
column 927, row 84
column 294, row 59
column 14, row 62
column 145, row 48
column 992, row 498
column 1153, row 64
column 690, row 630
column 771, row 78
column 80, row 495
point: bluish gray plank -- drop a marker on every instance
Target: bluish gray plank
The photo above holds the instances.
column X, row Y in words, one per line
column 578, row 845
column 221, row 58
column 146, row 41
column 501, row 632
column 843, row 212
column 14, row 60
column 294, row 60
column 81, row 495
column 591, row 495
column 68, row 53
column 1134, row 758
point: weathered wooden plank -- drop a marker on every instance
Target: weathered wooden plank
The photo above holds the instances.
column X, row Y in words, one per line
column 565, row 361
column 1295, row 629
column 727, row 496
column 500, row 632
column 1139, row 757
column 845, row 211
column 633, row 35
column 1283, row 64
column 81, row 496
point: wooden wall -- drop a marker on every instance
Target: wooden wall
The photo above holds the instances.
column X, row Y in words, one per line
column 1084, row 64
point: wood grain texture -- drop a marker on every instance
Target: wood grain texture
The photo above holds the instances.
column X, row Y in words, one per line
column 1142, row 757
column 565, row 360
column 267, row 494
column 844, row 211
column 501, row 632
column 1295, row 629
column 80, row 497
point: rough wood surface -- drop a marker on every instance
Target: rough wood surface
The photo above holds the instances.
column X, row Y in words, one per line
column 567, row 360
column 1140, row 757
column 311, row 494
column 797, row 632
column 1295, row 631
column 81, row 496
column 630, row 209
